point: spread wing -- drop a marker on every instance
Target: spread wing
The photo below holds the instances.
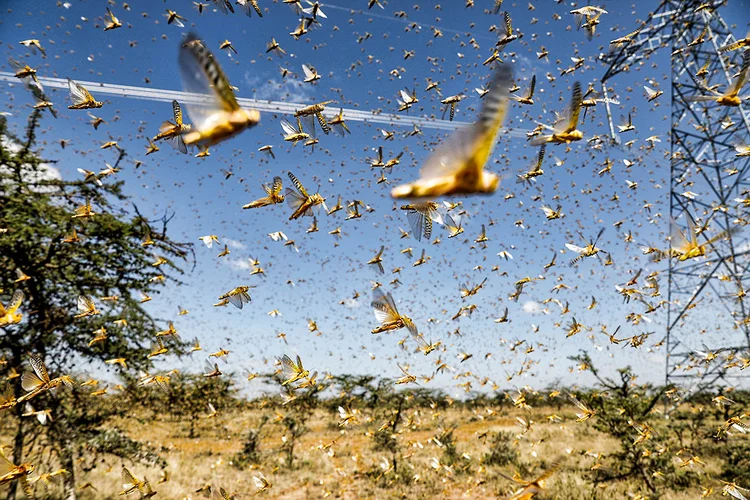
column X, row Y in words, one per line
column 384, row 306
column 298, row 185
column 420, row 225
column 15, row 302
column 30, row 381
column 177, row 113
column 574, row 248
column 288, row 128
column 238, row 299
column 84, row 304
column 38, row 365
column 532, row 87
column 309, row 73
column 178, row 143
column 201, row 74
column 5, row 465
column 743, row 74
column 277, row 185
column 508, row 26
column 128, row 479
column 78, row 94
column 574, row 111
column 288, row 366
column 224, row 6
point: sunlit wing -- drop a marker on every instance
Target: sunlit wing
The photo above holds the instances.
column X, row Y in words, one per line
column 78, row 94
column 15, row 302
column 574, row 111
column 220, row 493
column 277, row 185
column 238, row 299
column 177, row 113
column 298, row 185
column 210, row 367
column 469, row 147
column 309, row 124
column 201, row 74
column 128, row 480
column 743, row 74
column 578, row 403
column 574, row 248
column 412, row 329
column 532, row 86
column 84, row 304
column 293, row 199
column 38, row 365
column 224, row 6
column 288, row 128
column 678, row 238
column 5, row 465
column 178, row 143
column 435, row 215
column 308, row 72
column 384, row 306
column 288, row 366
column 30, row 381
column 420, row 225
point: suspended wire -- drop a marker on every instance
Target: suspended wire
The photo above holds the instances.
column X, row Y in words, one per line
column 266, row 106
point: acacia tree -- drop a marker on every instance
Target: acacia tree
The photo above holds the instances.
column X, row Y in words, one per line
column 624, row 411
column 104, row 255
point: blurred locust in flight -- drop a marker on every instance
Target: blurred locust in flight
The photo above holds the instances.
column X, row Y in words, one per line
column 686, row 246
column 11, row 472
column 219, row 117
column 9, row 314
column 457, row 165
column 566, row 129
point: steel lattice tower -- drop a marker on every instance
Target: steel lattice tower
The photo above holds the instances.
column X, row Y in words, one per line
column 707, row 177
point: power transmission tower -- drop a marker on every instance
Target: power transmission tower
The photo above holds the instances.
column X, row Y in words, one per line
column 707, row 319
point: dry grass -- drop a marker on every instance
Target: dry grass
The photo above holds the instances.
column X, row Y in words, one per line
column 351, row 469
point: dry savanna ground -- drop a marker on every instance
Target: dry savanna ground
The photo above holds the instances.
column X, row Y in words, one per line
column 341, row 462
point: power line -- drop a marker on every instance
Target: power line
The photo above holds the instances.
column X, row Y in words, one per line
column 266, row 106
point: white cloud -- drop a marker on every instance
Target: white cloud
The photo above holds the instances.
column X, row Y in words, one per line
column 289, row 89
column 352, row 303
column 532, row 307
column 234, row 244
column 239, row 263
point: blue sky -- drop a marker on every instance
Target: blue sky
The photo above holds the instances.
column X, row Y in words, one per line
column 326, row 271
